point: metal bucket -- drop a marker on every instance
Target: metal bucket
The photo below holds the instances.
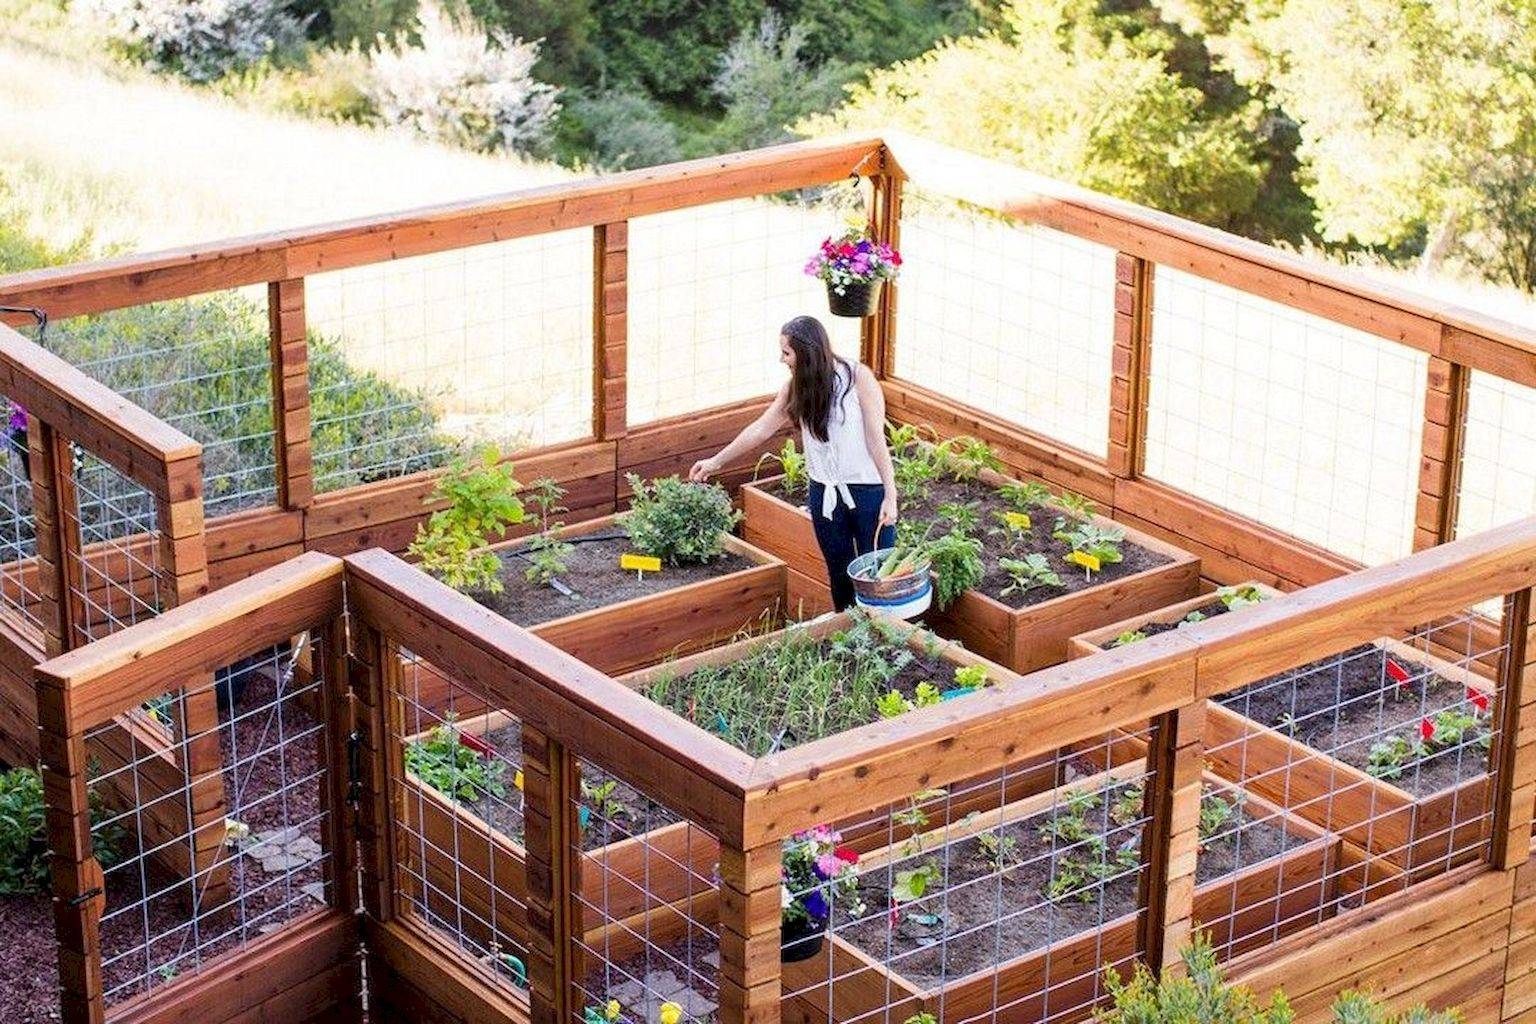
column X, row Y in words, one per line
column 904, row 597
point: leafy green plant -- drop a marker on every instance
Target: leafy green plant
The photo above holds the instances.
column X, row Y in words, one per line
column 968, row 456
column 921, row 1018
column 1028, row 573
column 1240, row 596
column 964, row 516
column 1193, row 617
column 1070, row 823
column 792, row 466
column 24, row 851
column 914, row 818
column 1025, row 496
column 957, row 566
column 1100, row 543
column 1390, row 756
column 915, row 883
column 452, row 768
column 481, row 493
column 548, row 557
column 970, row 677
column 1217, row 812
column 1126, row 808
column 998, row 848
column 1197, row 994
column 680, row 523
column 1014, row 529
column 1128, row 637
column 1075, row 506
column 599, row 798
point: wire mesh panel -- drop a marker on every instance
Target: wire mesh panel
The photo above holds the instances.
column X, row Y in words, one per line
column 709, row 288
column 117, row 576
column 1016, row 321
column 1000, row 898
column 1384, row 745
column 1308, row 426
column 19, row 592
column 647, row 936
column 411, row 359
column 1498, row 479
column 200, row 861
column 459, row 819
column 200, row 364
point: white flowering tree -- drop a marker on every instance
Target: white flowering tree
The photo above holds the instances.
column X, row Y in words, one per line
column 202, row 40
column 463, row 84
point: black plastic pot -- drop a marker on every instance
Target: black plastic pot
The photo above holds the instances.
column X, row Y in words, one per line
column 857, row 300
column 800, row 939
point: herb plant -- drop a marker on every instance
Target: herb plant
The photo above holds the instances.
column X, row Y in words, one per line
column 481, row 493
column 452, row 768
column 24, row 853
column 1130, row 636
column 680, row 523
column 957, row 566
column 1239, row 596
column 1013, row 528
column 1075, row 506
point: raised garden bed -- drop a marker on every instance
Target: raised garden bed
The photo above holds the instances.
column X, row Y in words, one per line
column 1015, row 950
column 1020, row 628
column 1382, row 744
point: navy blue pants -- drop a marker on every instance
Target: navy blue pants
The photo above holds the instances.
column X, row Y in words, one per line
column 849, row 533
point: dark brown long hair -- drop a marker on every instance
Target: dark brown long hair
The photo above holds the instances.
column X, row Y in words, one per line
column 815, row 375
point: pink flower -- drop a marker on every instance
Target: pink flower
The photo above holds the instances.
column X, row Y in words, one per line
column 829, row 866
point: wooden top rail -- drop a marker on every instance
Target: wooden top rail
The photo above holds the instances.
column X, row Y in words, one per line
column 281, row 255
column 594, row 716
column 890, row 760
column 96, row 417
column 185, row 644
column 1455, row 333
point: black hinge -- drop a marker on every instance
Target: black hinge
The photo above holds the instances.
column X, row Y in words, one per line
column 354, row 772
column 86, row 897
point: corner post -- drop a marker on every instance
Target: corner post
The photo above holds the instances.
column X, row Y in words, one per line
column 877, row 333
column 610, row 329
column 289, row 350
column 1172, row 839
column 1514, row 754
column 551, row 793
column 750, row 913
column 373, row 667
column 1131, row 366
column 58, row 546
column 1446, row 388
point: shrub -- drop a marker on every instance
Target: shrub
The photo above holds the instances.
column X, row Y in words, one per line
column 621, row 129
column 1358, row 1008
column 465, row 85
column 24, row 837
column 765, row 83
column 679, row 523
column 202, row 40
column 1201, row 996
column 482, row 500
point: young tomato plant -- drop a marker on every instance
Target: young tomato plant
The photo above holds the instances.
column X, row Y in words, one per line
column 1013, row 528
column 968, row 456
column 482, row 501
column 1028, row 573
column 792, row 465
column 547, row 554
column 962, row 516
column 1025, row 496
column 998, row 849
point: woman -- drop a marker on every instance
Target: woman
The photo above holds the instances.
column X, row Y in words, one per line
column 838, row 407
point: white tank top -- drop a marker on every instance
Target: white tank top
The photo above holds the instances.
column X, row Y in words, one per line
column 843, row 458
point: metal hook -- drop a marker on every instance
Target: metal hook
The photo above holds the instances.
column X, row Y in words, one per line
column 37, row 314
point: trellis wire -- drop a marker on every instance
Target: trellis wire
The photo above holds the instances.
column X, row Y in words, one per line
column 1301, row 423
column 487, row 344
column 1498, row 477
column 708, row 289
column 161, row 920
column 1014, row 320
column 18, row 534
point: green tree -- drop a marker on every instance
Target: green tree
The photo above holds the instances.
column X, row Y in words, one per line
column 1417, row 119
column 766, row 81
column 1058, row 91
column 565, row 26
column 671, row 48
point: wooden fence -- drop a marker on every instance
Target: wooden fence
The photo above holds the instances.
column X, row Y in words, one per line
column 747, row 810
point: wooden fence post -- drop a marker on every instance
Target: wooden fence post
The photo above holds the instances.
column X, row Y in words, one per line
column 610, row 329
column 289, row 349
column 78, row 895
column 1514, row 755
column 58, row 546
column 550, row 799
column 373, row 670
column 340, row 717
column 1172, row 839
column 1131, row 366
column 1444, row 444
column 877, row 334
column 750, row 913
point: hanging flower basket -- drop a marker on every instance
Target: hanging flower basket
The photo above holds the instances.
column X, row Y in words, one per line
column 855, row 267
column 818, row 871
column 16, row 436
column 800, row 939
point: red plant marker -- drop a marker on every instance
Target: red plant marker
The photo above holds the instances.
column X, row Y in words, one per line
column 1478, row 698
column 1426, row 729
column 476, row 744
column 895, row 912
column 1397, row 672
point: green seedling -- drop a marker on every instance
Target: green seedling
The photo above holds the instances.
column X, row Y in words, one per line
column 1028, row 573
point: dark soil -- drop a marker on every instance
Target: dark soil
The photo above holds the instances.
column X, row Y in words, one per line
column 1037, row 539
column 985, row 917
column 629, row 813
column 593, row 573
column 1344, row 704
column 147, row 943
column 1210, row 610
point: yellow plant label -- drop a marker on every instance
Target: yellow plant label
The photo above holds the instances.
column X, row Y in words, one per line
column 517, row 780
column 1017, row 520
column 1085, row 560
column 640, row 563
